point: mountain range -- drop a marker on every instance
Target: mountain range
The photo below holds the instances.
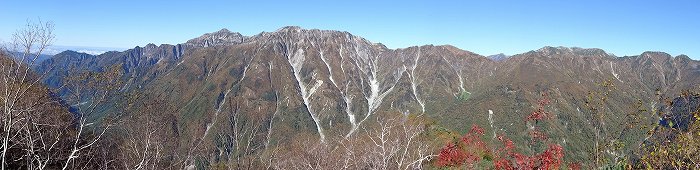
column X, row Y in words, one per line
column 329, row 84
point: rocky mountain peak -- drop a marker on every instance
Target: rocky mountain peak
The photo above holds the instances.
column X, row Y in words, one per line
column 682, row 57
column 585, row 52
column 222, row 37
column 498, row 57
column 301, row 32
column 150, row 46
column 656, row 56
column 589, row 51
column 289, row 29
column 223, row 31
column 550, row 49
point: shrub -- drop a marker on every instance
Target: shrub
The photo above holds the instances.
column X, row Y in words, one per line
column 468, row 150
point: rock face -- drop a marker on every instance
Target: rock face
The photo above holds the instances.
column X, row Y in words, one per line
column 331, row 83
column 222, row 37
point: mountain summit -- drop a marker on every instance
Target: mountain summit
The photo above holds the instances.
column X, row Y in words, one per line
column 498, row 57
column 222, row 37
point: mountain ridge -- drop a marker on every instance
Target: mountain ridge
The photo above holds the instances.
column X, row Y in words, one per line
column 224, row 37
column 331, row 83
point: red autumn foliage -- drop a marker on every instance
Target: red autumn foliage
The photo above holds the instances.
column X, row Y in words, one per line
column 574, row 166
column 551, row 158
column 508, row 159
column 538, row 135
column 466, row 151
column 502, row 164
column 540, row 113
column 476, row 130
column 451, row 155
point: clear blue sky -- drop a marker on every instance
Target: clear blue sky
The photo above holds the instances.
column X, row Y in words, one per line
column 626, row 27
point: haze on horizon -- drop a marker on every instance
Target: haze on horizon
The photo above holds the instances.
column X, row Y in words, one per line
column 510, row 27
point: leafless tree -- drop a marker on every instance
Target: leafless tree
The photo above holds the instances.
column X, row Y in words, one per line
column 393, row 142
column 396, row 144
column 87, row 93
column 240, row 145
column 145, row 133
column 24, row 125
column 38, row 129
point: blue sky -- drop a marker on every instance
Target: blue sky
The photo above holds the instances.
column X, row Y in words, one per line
column 626, row 27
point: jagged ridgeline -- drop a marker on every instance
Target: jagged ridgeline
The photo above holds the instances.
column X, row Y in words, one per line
column 295, row 82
